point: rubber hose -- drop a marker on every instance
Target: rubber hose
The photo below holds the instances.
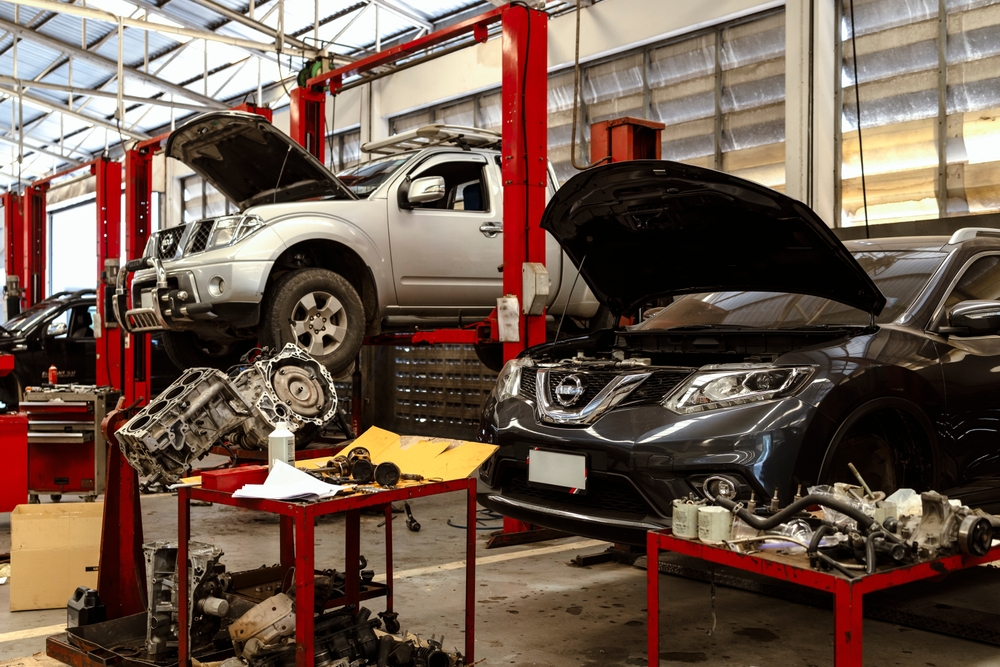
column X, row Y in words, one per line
column 768, row 523
column 821, row 532
column 870, row 556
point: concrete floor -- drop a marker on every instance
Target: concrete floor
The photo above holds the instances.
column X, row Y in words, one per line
column 534, row 609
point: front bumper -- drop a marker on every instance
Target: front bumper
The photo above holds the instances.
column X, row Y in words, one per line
column 640, row 458
column 185, row 294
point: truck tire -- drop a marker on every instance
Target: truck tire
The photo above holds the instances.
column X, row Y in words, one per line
column 188, row 350
column 318, row 310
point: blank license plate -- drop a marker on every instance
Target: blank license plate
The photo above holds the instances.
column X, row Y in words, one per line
column 568, row 471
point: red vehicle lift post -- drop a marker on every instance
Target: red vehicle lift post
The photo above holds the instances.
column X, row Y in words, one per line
column 33, row 242
column 13, row 226
column 524, row 166
column 109, row 219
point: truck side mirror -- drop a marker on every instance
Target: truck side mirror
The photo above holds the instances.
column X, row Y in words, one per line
column 425, row 190
column 978, row 318
column 56, row 329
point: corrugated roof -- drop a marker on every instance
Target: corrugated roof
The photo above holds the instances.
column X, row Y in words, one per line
column 168, row 59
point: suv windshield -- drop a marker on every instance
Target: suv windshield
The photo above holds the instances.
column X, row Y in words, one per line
column 365, row 178
column 899, row 275
column 23, row 322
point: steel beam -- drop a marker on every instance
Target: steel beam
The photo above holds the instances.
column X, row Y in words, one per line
column 86, row 118
column 13, row 232
column 242, row 19
column 101, row 61
column 42, row 151
column 139, row 24
column 33, row 243
column 88, row 92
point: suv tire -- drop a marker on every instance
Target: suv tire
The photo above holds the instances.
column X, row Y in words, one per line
column 318, row 310
column 187, row 349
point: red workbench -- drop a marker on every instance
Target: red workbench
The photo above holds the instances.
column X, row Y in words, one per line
column 847, row 593
column 297, row 526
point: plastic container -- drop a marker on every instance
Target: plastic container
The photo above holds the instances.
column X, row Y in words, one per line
column 281, row 446
column 715, row 524
column 685, row 519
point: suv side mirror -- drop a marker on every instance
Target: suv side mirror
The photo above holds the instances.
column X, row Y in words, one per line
column 56, row 329
column 425, row 190
column 975, row 318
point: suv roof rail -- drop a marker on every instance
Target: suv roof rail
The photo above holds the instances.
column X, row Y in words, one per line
column 434, row 135
column 969, row 233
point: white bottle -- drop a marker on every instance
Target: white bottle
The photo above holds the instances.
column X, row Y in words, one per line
column 281, row 446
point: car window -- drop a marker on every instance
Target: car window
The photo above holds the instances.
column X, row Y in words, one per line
column 980, row 282
column 365, row 178
column 465, row 186
column 81, row 322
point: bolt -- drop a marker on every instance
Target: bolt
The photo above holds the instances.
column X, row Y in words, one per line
column 281, row 372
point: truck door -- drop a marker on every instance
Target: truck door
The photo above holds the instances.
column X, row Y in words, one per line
column 445, row 253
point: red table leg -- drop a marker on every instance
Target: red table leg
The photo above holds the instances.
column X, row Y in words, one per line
column 653, row 599
column 287, row 540
column 305, row 580
column 183, row 535
column 470, row 577
column 352, row 567
column 388, row 557
column 848, row 618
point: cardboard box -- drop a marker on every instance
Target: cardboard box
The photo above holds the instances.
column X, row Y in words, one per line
column 54, row 548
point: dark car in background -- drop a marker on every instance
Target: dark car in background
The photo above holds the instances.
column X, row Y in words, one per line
column 60, row 330
column 781, row 356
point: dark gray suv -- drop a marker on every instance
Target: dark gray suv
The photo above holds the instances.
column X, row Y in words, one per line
column 781, row 355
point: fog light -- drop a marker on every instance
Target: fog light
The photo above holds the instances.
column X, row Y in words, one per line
column 217, row 286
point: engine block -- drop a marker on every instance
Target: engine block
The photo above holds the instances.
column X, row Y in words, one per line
column 205, row 407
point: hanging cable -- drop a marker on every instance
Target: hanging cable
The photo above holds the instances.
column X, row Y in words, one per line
column 576, row 102
column 857, row 112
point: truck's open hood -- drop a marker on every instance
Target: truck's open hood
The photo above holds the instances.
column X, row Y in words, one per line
column 250, row 161
column 650, row 228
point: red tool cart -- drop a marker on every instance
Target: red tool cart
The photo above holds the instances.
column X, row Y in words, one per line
column 847, row 593
column 14, row 450
column 67, row 452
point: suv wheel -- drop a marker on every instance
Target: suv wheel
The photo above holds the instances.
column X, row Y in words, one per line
column 318, row 310
column 871, row 455
column 188, row 350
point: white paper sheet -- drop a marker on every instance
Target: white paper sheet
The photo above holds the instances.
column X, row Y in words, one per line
column 286, row 482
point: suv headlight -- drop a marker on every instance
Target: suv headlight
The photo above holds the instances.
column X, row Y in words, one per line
column 509, row 381
column 231, row 229
column 714, row 387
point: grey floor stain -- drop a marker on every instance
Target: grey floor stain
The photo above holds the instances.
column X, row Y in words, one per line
column 757, row 634
column 679, row 656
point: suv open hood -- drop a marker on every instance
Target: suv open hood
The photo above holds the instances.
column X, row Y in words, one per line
column 250, row 161
column 650, row 228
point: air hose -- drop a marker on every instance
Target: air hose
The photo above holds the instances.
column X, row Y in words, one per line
column 768, row 523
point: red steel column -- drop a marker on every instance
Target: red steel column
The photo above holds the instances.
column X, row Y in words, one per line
column 847, row 621
column 109, row 217
column 307, row 117
column 33, row 248
column 138, row 204
column 13, row 230
column 525, row 157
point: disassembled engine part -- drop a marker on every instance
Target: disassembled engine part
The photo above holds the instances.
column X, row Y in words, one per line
column 411, row 522
column 943, row 529
column 265, row 635
column 206, row 595
column 387, row 474
column 409, row 649
column 205, row 407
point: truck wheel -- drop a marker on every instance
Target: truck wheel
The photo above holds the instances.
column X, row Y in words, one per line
column 318, row 310
column 188, row 350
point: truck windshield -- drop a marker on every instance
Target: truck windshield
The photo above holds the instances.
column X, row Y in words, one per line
column 365, row 178
column 27, row 319
column 899, row 275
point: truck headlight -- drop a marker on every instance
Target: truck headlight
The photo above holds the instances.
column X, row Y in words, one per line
column 231, row 229
column 509, row 381
column 714, row 387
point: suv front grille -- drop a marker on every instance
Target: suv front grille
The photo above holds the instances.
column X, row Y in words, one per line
column 167, row 242
column 652, row 390
column 613, row 494
column 199, row 236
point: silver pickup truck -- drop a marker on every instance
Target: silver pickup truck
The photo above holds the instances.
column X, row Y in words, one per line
column 410, row 239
